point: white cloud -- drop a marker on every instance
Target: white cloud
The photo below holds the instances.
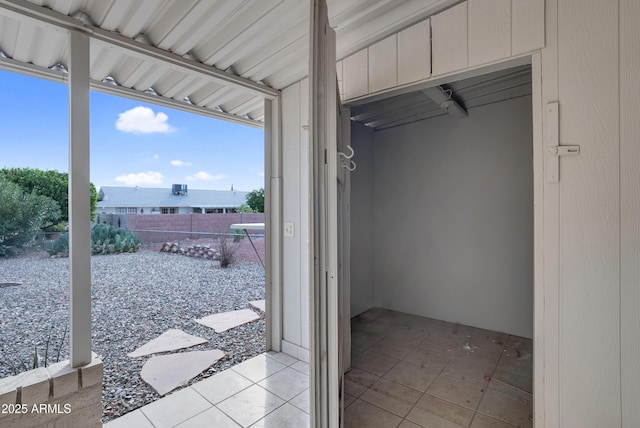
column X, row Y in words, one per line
column 156, row 156
column 149, row 177
column 205, row 176
column 142, row 120
column 178, row 162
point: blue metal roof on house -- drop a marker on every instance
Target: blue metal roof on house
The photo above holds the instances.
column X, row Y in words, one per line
column 113, row 196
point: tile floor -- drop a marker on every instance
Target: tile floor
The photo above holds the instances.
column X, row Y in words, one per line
column 267, row 391
column 407, row 372
column 411, row 372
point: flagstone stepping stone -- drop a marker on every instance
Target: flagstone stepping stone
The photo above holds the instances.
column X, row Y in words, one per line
column 167, row 372
column 170, row 340
column 258, row 304
column 226, row 320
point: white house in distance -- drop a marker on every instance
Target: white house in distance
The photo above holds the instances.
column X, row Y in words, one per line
column 177, row 200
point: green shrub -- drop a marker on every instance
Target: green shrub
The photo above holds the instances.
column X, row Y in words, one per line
column 105, row 239
column 238, row 235
column 244, row 208
column 50, row 183
column 60, row 245
column 255, row 200
column 22, row 215
column 58, row 227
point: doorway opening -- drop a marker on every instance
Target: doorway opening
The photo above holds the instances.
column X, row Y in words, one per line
column 442, row 254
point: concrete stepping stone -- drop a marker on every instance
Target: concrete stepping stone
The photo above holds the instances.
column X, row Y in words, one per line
column 167, row 372
column 170, row 340
column 226, row 320
column 258, row 304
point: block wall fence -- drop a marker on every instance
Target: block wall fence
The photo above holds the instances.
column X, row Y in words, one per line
column 192, row 226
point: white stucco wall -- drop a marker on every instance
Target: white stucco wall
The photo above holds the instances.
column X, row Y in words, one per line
column 453, row 218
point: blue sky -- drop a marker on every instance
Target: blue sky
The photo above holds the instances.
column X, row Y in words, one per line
column 132, row 143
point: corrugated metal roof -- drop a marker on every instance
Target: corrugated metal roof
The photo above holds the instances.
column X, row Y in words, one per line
column 115, row 196
column 469, row 93
column 264, row 42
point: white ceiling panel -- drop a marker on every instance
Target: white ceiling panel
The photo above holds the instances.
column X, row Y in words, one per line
column 224, row 55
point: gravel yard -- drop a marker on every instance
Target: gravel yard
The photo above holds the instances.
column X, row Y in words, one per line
column 136, row 297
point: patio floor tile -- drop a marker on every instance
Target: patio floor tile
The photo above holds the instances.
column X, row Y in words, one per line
column 301, row 366
column 175, row 408
column 212, row 417
column 280, row 357
column 229, row 399
column 250, row 405
column 134, row 419
column 258, row 368
column 285, row 416
column 286, row 384
column 301, row 401
column 222, row 386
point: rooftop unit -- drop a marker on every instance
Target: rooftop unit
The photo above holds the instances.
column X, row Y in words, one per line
column 179, row 189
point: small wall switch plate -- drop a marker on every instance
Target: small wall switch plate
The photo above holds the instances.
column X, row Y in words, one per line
column 289, row 230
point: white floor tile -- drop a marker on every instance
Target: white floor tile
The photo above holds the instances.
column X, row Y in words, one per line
column 175, row 408
column 301, row 366
column 301, row 401
column 281, row 357
column 212, row 417
column 250, row 405
column 286, row 416
column 286, row 384
column 134, row 419
column 222, row 386
column 258, row 368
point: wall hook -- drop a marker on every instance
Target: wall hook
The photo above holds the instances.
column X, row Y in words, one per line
column 349, row 156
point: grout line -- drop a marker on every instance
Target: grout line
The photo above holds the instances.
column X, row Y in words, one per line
column 190, row 417
column 376, row 406
column 428, row 386
column 143, row 415
column 439, row 373
column 504, row 346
